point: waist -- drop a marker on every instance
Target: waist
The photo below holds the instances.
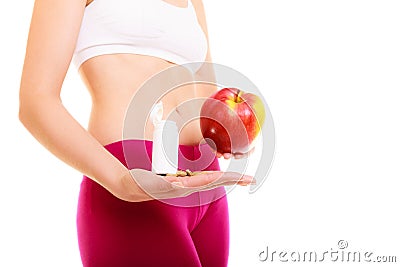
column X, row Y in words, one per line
column 135, row 153
column 108, row 126
column 114, row 80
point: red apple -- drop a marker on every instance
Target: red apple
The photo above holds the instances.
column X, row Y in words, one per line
column 231, row 119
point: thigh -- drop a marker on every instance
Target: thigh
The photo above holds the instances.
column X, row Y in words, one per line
column 112, row 232
column 211, row 235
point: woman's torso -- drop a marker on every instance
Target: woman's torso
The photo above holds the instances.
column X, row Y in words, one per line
column 113, row 79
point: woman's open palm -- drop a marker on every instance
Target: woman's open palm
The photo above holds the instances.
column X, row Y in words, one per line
column 161, row 187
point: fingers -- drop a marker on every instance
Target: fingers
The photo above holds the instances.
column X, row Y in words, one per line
column 205, row 180
column 219, row 155
column 236, row 155
column 224, row 155
column 178, row 184
column 200, row 179
column 244, row 182
column 215, row 178
column 227, row 155
column 170, row 179
column 239, row 155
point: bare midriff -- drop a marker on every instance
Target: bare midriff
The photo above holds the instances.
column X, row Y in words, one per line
column 112, row 80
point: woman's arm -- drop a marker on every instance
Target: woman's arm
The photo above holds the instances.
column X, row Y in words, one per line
column 53, row 33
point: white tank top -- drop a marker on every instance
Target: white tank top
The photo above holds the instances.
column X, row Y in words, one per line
column 146, row 27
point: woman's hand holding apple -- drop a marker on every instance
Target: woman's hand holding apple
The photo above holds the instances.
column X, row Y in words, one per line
column 230, row 121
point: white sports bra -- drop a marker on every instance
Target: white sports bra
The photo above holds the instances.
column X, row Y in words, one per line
column 147, row 27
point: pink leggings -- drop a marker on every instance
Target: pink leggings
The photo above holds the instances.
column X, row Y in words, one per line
column 117, row 233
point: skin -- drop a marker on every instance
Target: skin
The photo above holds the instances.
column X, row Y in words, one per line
column 51, row 42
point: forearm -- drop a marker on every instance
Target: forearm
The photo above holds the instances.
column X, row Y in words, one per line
column 51, row 42
column 51, row 124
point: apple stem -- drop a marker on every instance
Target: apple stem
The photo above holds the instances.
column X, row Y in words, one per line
column 238, row 99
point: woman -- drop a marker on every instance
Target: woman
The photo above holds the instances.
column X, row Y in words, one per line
column 117, row 46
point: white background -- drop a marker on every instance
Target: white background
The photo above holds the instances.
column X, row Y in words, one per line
column 330, row 73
